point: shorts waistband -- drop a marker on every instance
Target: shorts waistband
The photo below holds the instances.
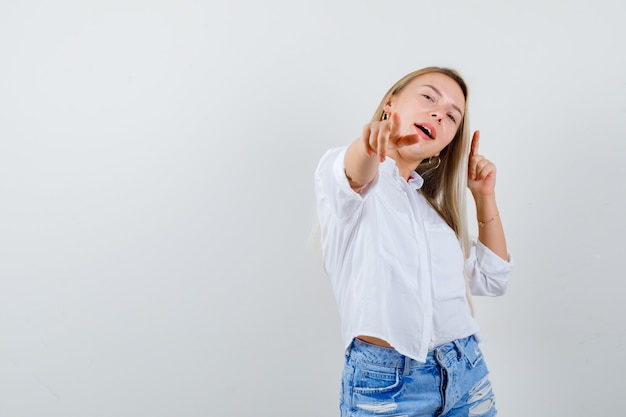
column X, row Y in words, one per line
column 379, row 355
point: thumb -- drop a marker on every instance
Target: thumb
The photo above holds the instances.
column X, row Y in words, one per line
column 406, row 140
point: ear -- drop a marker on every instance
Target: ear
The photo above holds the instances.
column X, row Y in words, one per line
column 388, row 104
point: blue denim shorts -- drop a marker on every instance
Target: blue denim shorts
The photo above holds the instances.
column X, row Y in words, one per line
column 379, row 381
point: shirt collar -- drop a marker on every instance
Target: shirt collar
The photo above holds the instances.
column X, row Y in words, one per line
column 415, row 180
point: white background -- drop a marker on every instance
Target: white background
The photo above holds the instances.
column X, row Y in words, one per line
column 156, row 197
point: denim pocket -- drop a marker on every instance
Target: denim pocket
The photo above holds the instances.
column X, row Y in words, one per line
column 473, row 354
column 375, row 379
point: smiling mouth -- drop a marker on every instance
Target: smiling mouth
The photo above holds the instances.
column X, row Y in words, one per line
column 425, row 130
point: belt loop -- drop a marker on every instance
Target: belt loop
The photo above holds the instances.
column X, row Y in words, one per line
column 459, row 349
column 407, row 366
column 349, row 349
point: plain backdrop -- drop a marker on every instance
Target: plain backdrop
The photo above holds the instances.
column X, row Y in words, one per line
column 156, row 197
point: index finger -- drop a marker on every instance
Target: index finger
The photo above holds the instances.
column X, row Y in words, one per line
column 475, row 142
column 394, row 124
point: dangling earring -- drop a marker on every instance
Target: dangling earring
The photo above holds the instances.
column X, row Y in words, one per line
column 385, row 116
column 430, row 162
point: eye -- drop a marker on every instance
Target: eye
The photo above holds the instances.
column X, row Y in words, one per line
column 451, row 117
column 427, row 97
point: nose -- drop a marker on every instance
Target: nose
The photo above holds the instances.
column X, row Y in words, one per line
column 436, row 114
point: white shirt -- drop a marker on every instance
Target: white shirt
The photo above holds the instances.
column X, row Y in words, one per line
column 396, row 267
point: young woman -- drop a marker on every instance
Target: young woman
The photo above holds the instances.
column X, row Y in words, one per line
column 397, row 250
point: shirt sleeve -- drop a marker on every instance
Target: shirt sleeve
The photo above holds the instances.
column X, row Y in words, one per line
column 487, row 273
column 332, row 188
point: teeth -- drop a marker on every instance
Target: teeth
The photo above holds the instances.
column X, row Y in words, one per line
column 425, row 129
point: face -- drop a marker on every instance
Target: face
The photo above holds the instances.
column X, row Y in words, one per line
column 432, row 107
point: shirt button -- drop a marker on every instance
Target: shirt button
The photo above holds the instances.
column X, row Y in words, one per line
column 440, row 356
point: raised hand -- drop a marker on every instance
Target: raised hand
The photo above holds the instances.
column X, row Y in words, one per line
column 482, row 183
column 481, row 171
column 378, row 137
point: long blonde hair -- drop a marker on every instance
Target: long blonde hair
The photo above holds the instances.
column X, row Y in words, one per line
column 445, row 186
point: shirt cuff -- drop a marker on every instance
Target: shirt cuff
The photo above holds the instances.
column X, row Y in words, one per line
column 339, row 172
column 490, row 263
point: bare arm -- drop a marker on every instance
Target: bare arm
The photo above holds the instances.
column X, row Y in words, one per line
column 481, row 182
column 360, row 162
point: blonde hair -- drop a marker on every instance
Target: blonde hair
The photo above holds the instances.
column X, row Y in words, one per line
column 445, row 187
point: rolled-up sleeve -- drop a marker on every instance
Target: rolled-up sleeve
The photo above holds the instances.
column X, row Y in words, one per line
column 332, row 187
column 487, row 273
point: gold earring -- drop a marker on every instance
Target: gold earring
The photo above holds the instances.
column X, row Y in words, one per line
column 430, row 162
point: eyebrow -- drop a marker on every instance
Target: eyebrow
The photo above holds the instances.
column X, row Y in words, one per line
column 439, row 92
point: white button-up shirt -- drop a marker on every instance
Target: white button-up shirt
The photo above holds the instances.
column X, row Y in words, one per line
column 396, row 267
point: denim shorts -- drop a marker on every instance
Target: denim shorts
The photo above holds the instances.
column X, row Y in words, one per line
column 379, row 381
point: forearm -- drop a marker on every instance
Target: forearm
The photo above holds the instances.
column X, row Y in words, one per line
column 490, row 229
column 360, row 168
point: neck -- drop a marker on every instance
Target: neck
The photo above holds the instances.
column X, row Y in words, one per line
column 405, row 168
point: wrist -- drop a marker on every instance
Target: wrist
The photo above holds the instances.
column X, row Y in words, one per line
column 483, row 222
column 486, row 209
column 486, row 202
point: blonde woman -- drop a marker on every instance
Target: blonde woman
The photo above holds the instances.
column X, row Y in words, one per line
column 396, row 247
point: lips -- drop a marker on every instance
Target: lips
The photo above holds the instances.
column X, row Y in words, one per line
column 427, row 129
